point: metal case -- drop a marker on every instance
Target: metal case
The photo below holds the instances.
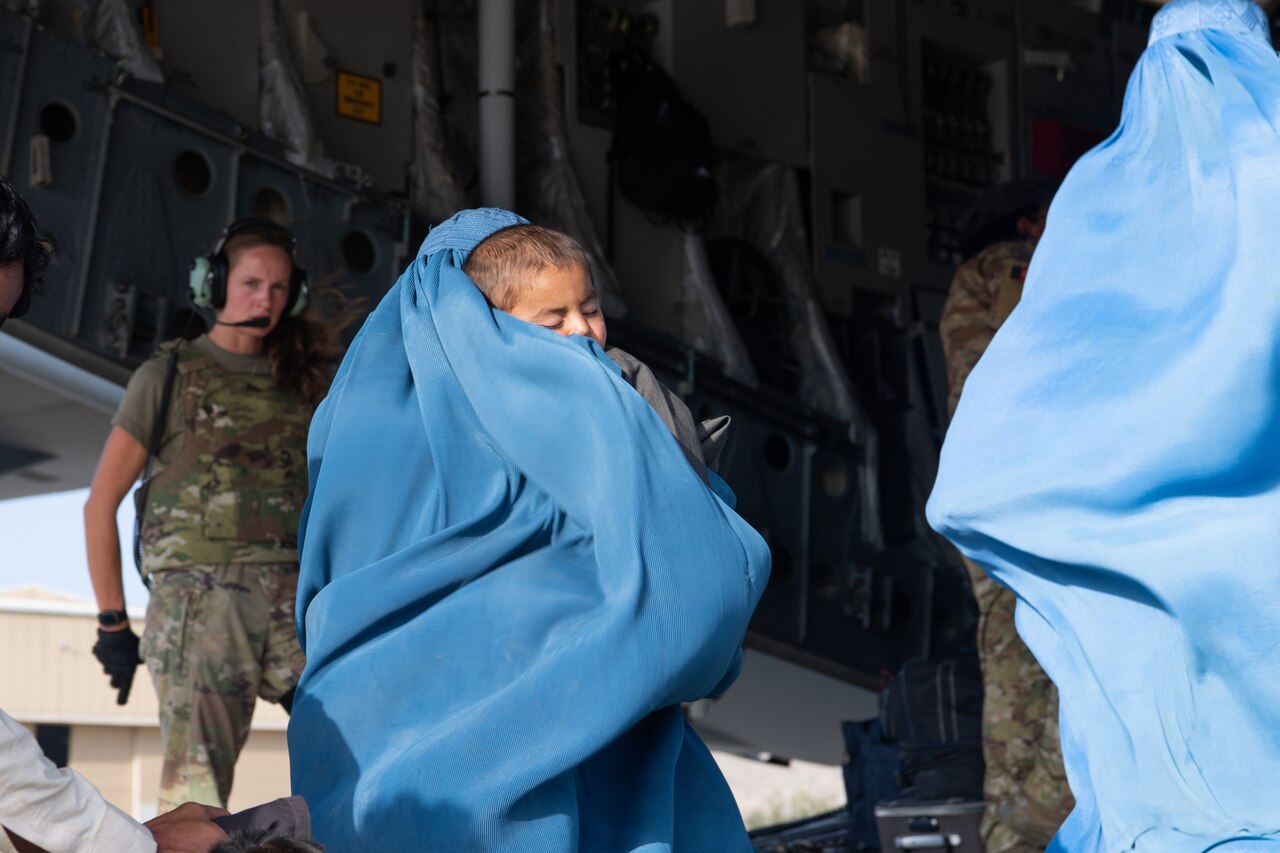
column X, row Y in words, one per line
column 931, row 825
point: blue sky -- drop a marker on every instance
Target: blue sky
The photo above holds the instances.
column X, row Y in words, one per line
column 43, row 542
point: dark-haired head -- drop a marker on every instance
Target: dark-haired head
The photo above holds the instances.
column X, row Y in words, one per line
column 23, row 256
column 263, row 841
column 1010, row 211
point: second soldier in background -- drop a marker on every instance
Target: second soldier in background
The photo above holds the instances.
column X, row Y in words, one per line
column 1025, row 784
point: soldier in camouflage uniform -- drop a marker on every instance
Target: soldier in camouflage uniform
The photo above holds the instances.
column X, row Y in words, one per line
column 219, row 525
column 1025, row 783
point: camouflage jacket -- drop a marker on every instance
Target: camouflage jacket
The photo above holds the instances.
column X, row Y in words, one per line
column 984, row 291
column 234, row 492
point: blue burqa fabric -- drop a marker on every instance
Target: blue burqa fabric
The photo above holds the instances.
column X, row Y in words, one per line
column 511, row 577
column 1115, row 458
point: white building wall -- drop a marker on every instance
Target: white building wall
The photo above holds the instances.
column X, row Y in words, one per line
column 48, row 675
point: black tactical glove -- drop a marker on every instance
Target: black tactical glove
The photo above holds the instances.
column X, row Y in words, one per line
column 117, row 651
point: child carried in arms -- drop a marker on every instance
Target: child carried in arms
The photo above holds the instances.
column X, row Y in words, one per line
column 541, row 276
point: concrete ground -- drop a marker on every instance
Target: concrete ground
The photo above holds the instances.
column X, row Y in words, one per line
column 771, row 793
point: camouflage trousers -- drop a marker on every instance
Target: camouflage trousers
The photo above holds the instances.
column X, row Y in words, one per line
column 1025, row 783
column 217, row 637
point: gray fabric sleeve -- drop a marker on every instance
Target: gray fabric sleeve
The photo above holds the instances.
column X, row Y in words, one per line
column 670, row 408
column 287, row 816
column 712, row 436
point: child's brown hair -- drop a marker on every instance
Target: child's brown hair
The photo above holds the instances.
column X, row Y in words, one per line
column 507, row 261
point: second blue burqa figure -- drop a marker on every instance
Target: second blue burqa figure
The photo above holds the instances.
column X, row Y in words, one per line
column 511, row 577
column 1115, row 458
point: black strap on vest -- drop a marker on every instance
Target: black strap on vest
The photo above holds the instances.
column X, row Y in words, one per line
column 153, row 447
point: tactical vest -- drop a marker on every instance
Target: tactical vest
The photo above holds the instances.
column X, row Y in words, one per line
column 234, row 492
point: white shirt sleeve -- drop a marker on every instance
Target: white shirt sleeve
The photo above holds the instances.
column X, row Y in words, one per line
column 58, row 809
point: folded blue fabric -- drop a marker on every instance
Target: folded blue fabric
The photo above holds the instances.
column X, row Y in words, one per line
column 511, row 577
column 1115, row 458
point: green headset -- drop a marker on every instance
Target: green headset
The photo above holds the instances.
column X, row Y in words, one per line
column 207, row 284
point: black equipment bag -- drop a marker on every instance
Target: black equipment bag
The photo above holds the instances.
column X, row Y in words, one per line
column 871, row 765
column 662, row 158
column 934, row 711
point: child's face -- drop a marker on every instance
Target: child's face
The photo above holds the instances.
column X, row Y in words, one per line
column 563, row 301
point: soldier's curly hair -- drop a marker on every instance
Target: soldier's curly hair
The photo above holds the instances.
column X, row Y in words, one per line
column 20, row 241
column 301, row 351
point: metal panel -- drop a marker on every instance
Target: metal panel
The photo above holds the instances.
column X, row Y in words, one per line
column 864, row 612
column 837, row 600
column 63, row 100
column 139, row 181
column 210, row 53
column 1070, row 82
column 769, row 470
column 312, row 210
column 952, row 48
column 50, row 408
column 380, row 224
column 931, row 359
column 866, row 217
column 15, row 36
column 166, row 195
column 341, row 35
column 343, row 238
column 982, row 28
column 746, row 80
column 650, row 267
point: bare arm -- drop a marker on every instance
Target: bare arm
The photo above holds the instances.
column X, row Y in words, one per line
column 121, row 463
column 187, row 829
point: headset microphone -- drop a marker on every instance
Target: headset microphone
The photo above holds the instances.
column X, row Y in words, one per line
column 254, row 323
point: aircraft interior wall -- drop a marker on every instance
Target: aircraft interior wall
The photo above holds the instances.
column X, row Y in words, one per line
column 865, row 128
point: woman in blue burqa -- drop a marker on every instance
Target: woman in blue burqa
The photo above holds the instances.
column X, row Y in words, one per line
column 1115, row 458
column 511, row 579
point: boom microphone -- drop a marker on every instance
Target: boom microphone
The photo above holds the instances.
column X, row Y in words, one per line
column 253, row 323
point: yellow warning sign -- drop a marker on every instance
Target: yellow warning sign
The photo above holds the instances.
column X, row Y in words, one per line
column 359, row 97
